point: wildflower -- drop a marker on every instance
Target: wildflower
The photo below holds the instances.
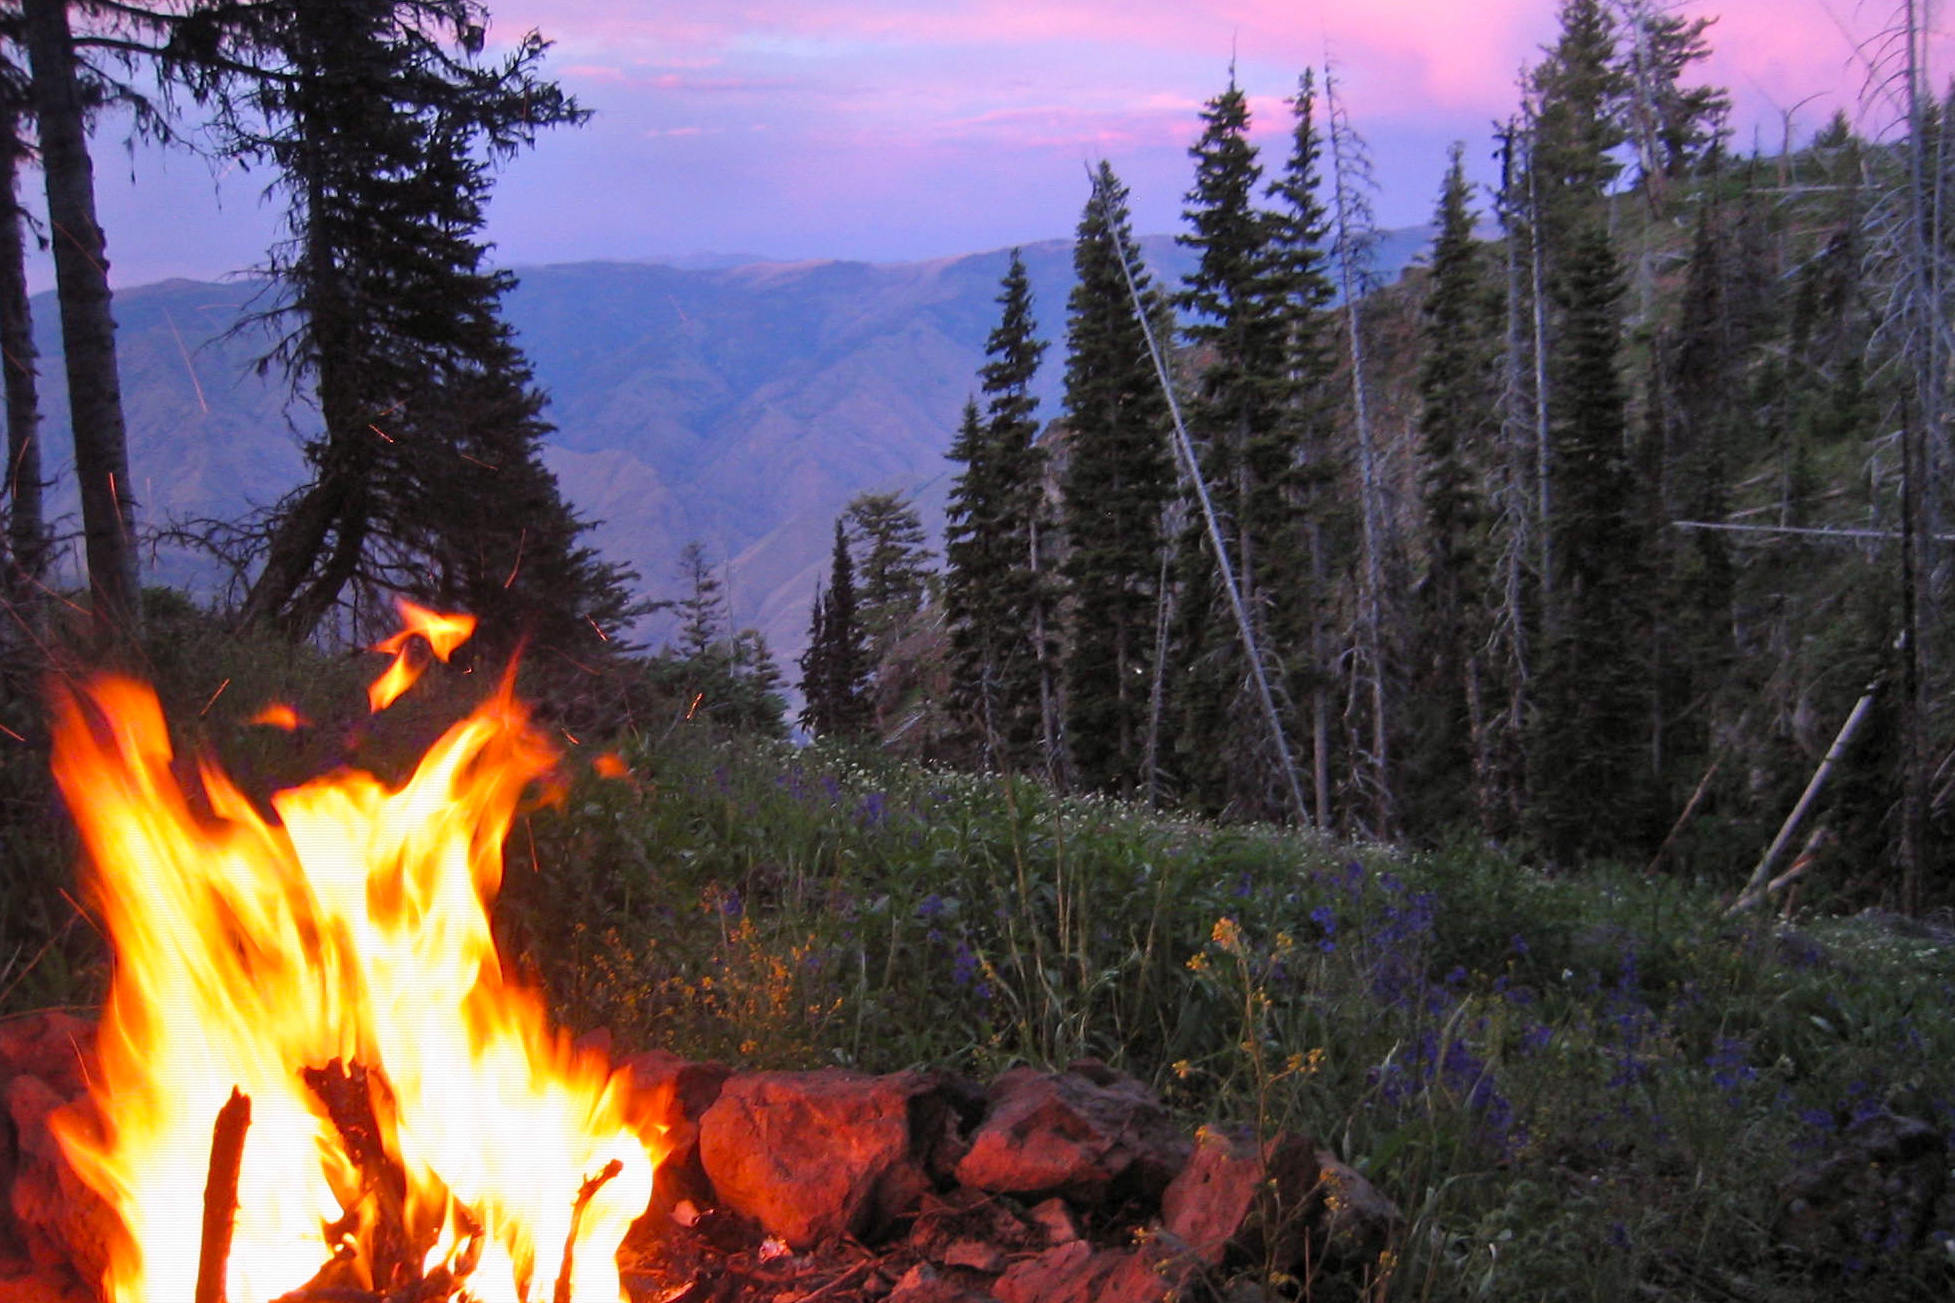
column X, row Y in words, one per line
column 1227, row 934
column 1182, row 1069
column 1198, row 962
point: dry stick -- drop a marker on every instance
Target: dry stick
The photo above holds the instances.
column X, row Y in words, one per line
column 1761, row 877
column 585, row 1194
column 1689, row 809
column 221, row 1195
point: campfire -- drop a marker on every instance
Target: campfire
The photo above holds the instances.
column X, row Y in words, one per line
column 316, row 1082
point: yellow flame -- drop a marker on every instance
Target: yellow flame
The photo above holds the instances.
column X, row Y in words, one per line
column 442, row 632
column 355, row 928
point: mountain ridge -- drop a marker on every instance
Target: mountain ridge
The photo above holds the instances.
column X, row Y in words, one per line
column 737, row 406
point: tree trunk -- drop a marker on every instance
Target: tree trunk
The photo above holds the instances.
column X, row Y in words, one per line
column 81, row 272
column 26, row 521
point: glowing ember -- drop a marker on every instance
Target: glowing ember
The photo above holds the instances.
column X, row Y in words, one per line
column 412, row 1113
column 442, row 633
column 279, row 715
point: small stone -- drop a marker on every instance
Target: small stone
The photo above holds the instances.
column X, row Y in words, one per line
column 1055, row 1217
column 1078, row 1133
column 815, row 1155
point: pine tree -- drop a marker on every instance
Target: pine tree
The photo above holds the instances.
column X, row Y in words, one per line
column 834, row 670
column 894, row 563
column 1226, row 754
column 380, row 119
column 1302, row 231
column 996, row 595
column 701, row 606
column 1119, row 479
column 1457, row 424
column 1588, row 754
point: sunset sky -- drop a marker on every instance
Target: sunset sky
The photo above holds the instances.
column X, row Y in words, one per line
column 910, row 129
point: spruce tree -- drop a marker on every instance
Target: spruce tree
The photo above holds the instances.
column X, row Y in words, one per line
column 893, row 563
column 1300, row 244
column 996, row 595
column 1119, row 479
column 1225, row 755
column 381, row 120
column 1458, row 422
column 1588, row 757
column 834, row 671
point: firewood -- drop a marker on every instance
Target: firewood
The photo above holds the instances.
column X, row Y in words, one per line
column 349, row 1094
column 221, row 1195
column 585, row 1194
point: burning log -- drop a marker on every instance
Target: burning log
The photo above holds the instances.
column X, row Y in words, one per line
column 585, row 1193
column 349, row 1094
column 221, row 1195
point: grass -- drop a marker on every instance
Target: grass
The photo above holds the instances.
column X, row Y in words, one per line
column 1575, row 1088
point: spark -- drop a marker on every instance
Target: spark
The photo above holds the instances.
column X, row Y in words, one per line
column 600, row 632
column 572, row 736
column 382, row 433
column 213, row 698
column 10, row 733
column 521, row 539
column 190, row 368
column 690, row 710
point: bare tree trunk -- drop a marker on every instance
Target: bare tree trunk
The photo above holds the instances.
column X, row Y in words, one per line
column 26, row 521
column 1349, row 241
column 81, row 272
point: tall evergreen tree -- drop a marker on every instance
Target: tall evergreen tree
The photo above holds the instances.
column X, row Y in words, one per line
column 835, row 670
column 1226, row 753
column 380, row 119
column 701, row 606
column 1119, row 479
column 996, row 595
column 893, row 562
column 1589, row 751
column 1458, row 423
column 1302, row 234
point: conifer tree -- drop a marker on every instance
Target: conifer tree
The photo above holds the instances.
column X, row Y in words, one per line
column 1225, row 752
column 1457, row 424
column 995, row 595
column 1119, row 480
column 702, row 606
column 1588, row 753
column 893, row 562
column 381, row 120
column 834, row 670
column 1301, row 237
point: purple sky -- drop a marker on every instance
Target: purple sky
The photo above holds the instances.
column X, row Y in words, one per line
column 909, row 129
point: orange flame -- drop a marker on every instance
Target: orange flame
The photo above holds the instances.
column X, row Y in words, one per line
column 356, row 929
column 279, row 715
column 442, row 633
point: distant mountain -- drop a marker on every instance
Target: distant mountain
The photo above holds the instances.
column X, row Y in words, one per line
column 739, row 406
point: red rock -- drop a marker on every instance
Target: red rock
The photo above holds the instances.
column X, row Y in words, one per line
column 1076, row 1133
column 1076, row 1273
column 1056, row 1218
column 42, row 1285
column 51, row 1044
column 1286, row 1202
column 59, row 1220
column 814, row 1155
column 675, row 1093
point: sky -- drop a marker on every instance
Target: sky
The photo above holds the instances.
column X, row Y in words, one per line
column 901, row 130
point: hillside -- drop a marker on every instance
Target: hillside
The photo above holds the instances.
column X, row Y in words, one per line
column 740, row 407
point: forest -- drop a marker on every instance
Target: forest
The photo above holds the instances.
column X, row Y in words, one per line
column 1600, row 533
